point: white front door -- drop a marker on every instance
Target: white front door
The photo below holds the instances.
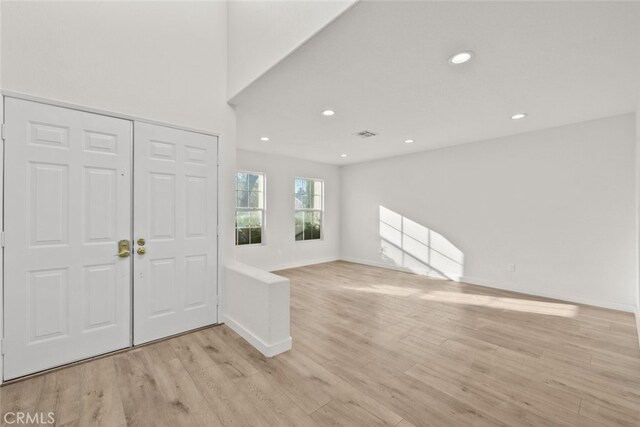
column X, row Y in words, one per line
column 67, row 295
column 175, row 213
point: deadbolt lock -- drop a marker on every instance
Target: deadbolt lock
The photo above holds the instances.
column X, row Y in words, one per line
column 141, row 242
column 141, row 251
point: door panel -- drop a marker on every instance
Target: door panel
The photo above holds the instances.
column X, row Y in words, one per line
column 68, row 202
column 175, row 211
column 100, row 296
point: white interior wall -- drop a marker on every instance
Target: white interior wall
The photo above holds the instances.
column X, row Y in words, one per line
column 164, row 61
column 1, row 202
column 279, row 249
column 261, row 33
column 558, row 204
column 637, row 116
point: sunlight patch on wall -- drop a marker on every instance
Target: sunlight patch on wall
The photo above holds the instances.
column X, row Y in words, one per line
column 413, row 246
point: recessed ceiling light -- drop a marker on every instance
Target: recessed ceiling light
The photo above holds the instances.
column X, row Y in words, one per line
column 343, row 155
column 328, row 113
column 518, row 116
column 408, row 141
column 264, row 138
column 461, row 57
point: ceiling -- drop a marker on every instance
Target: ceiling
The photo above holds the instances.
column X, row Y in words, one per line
column 382, row 66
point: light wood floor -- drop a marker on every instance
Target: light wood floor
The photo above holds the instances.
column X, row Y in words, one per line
column 372, row 347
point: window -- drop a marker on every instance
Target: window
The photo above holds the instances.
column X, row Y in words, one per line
column 249, row 208
column 309, row 204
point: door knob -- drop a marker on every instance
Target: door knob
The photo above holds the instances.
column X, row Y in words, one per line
column 141, row 242
column 141, row 251
column 123, row 249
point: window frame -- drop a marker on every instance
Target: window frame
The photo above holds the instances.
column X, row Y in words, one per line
column 262, row 210
column 321, row 210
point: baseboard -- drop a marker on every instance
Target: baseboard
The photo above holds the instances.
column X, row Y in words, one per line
column 490, row 284
column 387, row 266
column 304, row 263
column 638, row 324
column 629, row 308
column 261, row 346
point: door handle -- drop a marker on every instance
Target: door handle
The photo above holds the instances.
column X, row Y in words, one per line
column 123, row 249
column 141, row 251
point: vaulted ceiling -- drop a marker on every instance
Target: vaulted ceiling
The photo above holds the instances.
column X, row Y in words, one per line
column 383, row 67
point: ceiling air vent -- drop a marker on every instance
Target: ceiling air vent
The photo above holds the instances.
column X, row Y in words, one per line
column 365, row 134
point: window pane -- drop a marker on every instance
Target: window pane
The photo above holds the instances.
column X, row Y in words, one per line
column 317, row 202
column 302, row 194
column 256, row 235
column 255, row 200
column 255, row 183
column 317, row 188
column 311, row 188
column 256, row 219
column 241, row 181
column 299, row 225
column 308, row 219
column 311, row 228
column 301, row 201
column 242, row 199
column 243, row 218
column 317, row 221
column 242, row 236
column 308, row 225
column 298, row 200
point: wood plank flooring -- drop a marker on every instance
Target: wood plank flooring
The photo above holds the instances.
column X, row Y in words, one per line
column 371, row 347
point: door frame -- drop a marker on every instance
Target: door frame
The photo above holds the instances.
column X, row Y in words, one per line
column 62, row 104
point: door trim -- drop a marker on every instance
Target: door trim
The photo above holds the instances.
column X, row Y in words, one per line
column 132, row 118
column 108, row 113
